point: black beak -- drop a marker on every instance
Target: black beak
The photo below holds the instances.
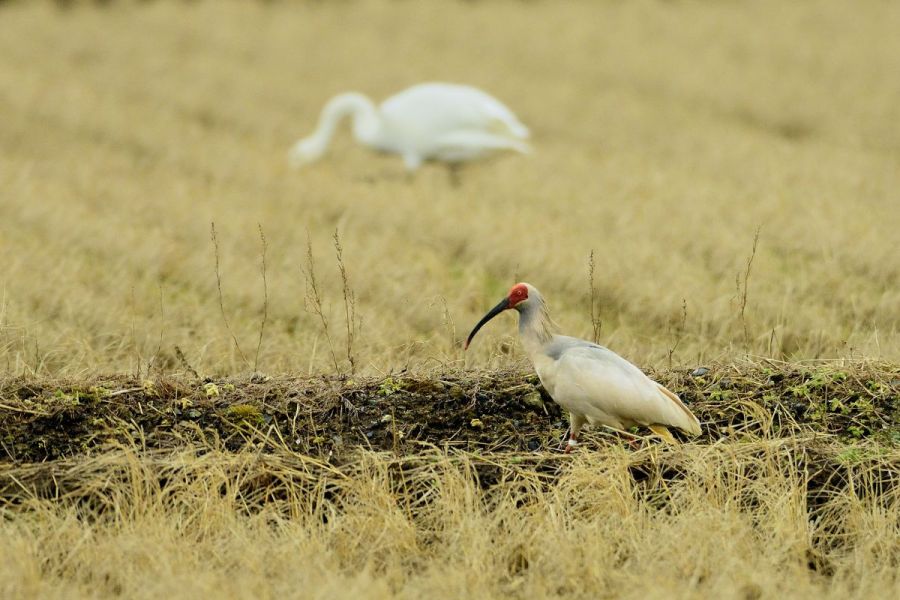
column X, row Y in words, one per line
column 504, row 304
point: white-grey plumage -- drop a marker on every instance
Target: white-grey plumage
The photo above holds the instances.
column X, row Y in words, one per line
column 439, row 121
column 594, row 384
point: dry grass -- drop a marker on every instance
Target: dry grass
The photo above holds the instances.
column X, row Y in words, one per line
column 665, row 135
column 733, row 521
column 270, row 488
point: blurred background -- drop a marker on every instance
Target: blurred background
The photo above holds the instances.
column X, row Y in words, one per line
column 666, row 136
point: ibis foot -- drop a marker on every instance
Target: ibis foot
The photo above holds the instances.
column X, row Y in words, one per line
column 573, row 441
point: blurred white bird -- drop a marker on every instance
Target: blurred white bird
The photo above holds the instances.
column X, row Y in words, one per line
column 594, row 384
column 439, row 121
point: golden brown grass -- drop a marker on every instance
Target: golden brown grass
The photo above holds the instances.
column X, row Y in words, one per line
column 114, row 488
column 727, row 521
column 665, row 135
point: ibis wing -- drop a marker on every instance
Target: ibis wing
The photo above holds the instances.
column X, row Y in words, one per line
column 602, row 385
column 695, row 429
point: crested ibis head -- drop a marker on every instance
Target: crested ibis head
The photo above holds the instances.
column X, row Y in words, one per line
column 522, row 297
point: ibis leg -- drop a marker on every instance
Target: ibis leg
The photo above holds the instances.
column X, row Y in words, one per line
column 575, row 423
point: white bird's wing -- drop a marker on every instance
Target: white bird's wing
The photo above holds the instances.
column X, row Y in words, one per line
column 433, row 109
column 597, row 382
column 467, row 144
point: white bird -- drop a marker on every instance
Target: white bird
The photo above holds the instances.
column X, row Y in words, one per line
column 440, row 121
column 593, row 383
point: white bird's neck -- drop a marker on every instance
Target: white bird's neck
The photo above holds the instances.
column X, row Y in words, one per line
column 366, row 120
column 536, row 328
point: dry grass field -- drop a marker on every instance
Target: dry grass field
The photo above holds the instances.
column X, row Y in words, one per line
column 285, row 526
column 733, row 169
column 665, row 135
column 114, row 487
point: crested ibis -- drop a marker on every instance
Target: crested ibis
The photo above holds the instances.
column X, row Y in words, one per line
column 594, row 384
column 441, row 121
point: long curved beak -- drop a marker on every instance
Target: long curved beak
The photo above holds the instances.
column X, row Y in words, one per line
column 504, row 304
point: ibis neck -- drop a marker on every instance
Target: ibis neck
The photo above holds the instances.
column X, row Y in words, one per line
column 536, row 328
column 366, row 121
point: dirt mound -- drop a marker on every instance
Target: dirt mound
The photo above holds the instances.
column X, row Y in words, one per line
column 42, row 419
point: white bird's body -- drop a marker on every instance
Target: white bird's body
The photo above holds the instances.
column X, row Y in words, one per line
column 596, row 384
column 593, row 383
column 429, row 121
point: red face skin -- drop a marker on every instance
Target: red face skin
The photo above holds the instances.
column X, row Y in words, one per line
column 517, row 294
